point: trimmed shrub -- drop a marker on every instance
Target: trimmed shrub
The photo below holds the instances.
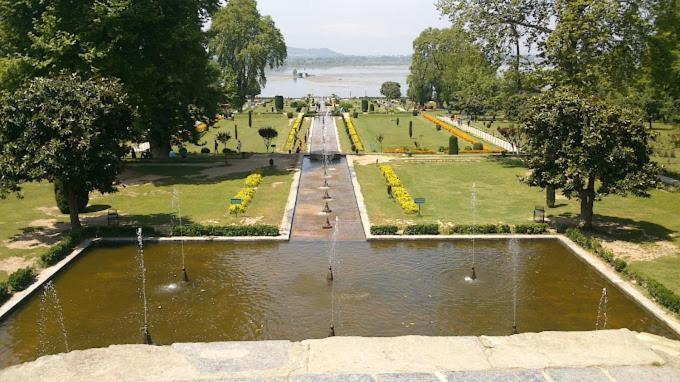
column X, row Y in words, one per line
column 531, row 229
column 478, row 147
column 364, row 105
column 479, row 229
column 453, row 145
column 415, row 113
column 21, row 279
column 422, row 229
column 117, row 231
column 231, row 231
column 289, row 115
column 205, row 150
column 59, row 251
column 250, row 118
column 620, row 265
column 4, row 292
column 355, row 115
column 278, row 102
column 371, row 108
column 503, row 228
column 663, row 295
column 62, row 203
column 410, row 131
column 384, row 230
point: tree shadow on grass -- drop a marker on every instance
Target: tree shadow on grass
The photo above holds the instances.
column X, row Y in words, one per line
column 634, row 231
column 508, row 162
column 164, row 175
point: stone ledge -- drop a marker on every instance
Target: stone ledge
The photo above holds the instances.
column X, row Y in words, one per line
column 550, row 356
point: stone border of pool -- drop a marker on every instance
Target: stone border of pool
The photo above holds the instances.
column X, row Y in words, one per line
column 600, row 266
column 607, row 355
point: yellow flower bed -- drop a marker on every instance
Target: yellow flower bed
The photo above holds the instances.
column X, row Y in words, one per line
column 401, row 195
column 293, row 133
column 451, row 129
column 353, row 135
column 247, row 193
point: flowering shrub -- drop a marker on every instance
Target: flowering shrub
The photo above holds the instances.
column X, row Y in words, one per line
column 293, row 133
column 352, row 131
column 246, row 194
column 401, row 195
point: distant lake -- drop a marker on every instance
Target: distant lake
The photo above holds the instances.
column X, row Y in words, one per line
column 345, row 81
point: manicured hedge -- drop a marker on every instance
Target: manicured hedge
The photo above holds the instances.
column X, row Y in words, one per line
column 384, row 230
column 59, row 251
column 531, row 229
column 4, row 292
column 422, row 229
column 231, row 231
column 21, row 279
column 470, row 229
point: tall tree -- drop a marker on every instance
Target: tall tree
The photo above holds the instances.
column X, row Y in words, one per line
column 137, row 41
column 448, row 67
column 503, row 27
column 586, row 147
column 598, row 45
column 64, row 130
column 244, row 44
column 391, row 90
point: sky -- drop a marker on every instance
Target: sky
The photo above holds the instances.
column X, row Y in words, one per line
column 358, row 27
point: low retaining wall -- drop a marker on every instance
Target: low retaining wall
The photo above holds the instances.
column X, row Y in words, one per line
column 618, row 354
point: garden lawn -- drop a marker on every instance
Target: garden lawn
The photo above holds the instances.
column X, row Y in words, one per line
column 249, row 137
column 644, row 223
column 370, row 126
column 145, row 200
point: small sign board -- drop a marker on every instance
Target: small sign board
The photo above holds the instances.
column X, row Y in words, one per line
column 236, row 201
column 419, row 200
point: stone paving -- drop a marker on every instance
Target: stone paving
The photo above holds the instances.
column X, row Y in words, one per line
column 611, row 355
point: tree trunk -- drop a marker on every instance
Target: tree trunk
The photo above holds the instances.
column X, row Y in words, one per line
column 550, row 196
column 587, row 197
column 72, row 197
column 650, row 124
column 517, row 60
column 160, row 148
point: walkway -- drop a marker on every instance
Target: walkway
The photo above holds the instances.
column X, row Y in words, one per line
column 607, row 356
column 309, row 218
column 505, row 145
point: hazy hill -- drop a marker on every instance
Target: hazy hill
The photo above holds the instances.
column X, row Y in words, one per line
column 301, row 57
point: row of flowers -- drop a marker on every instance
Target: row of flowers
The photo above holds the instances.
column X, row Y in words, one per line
column 459, row 133
column 352, row 131
column 247, row 193
column 293, row 133
column 399, row 192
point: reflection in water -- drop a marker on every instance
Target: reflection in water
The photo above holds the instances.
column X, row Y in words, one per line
column 265, row 291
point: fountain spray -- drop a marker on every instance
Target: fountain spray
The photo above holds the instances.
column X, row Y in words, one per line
column 146, row 336
column 514, row 251
column 49, row 294
column 601, row 322
column 331, row 253
column 176, row 200
column 474, row 227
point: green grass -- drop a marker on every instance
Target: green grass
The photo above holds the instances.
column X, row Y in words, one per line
column 370, row 126
column 501, row 198
column 203, row 198
column 249, row 137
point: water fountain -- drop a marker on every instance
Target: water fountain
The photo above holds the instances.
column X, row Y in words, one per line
column 513, row 253
column 601, row 322
column 49, row 299
column 178, row 207
column 327, row 209
column 331, row 252
column 474, row 231
column 146, row 336
column 326, row 195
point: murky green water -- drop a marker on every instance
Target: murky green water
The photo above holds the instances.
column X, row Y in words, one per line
column 252, row 291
